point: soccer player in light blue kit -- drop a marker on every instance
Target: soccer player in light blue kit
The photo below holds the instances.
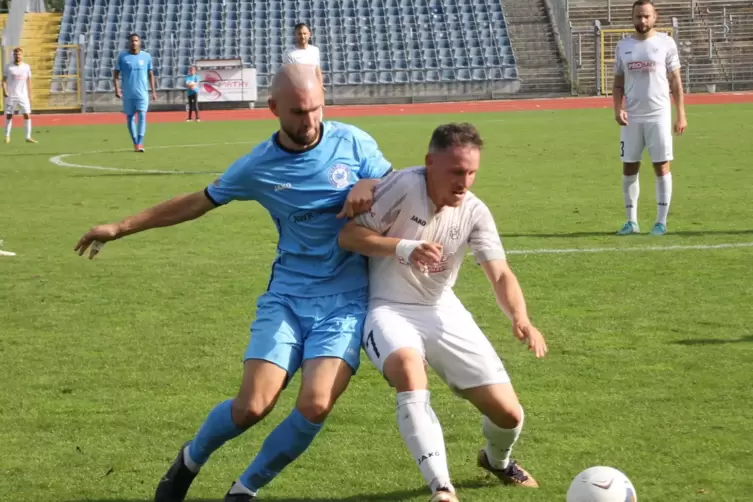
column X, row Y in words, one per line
column 309, row 176
column 135, row 66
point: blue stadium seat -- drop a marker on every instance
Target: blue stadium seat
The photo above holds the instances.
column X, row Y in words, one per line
column 361, row 41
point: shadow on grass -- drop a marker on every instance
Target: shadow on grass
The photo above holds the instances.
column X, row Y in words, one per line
column 372, row 497
column 714, row 341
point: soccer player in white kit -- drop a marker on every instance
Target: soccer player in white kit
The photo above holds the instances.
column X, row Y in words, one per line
column 17, row 93
column 420, row 225
column 646, row 69
column 303, row 52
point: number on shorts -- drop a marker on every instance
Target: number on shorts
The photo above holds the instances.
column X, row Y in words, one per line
column 622, row 148
column 370, row 339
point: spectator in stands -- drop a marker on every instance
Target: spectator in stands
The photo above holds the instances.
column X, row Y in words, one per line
column 192, row 93
column 303, row 52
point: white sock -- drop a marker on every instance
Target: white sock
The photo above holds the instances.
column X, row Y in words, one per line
column 423, row 436
column 240, row 488
column 8, row 126
column 192, row 466
column 631, row 190
column 663, row 197
column 27, row 125
column 499, row 442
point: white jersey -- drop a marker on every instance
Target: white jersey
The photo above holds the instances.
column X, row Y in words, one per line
column 309, row 55
column 402, row 209
column 16, row 81
column 645, row 65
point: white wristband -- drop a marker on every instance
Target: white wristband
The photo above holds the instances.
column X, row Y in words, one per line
column 404, row 249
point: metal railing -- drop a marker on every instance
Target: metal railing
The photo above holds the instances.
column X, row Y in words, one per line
column 563, row 32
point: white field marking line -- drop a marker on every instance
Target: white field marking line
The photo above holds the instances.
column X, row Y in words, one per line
column 58, row 159
column 628, row 249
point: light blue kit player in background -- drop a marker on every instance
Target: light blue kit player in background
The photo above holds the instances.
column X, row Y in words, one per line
column 310, row 176
column 135, row 66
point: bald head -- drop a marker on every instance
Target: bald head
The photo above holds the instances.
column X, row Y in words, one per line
column 296, row 97
column 299, row 77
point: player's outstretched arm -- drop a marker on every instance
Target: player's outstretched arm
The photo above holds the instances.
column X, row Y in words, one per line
column 510, row 299
column 176, row 210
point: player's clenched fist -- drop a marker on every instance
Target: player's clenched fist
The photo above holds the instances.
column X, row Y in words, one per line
column 528, row 334
column 359, row 199
column 426, row 254
column 96, row 236
column 621, row 117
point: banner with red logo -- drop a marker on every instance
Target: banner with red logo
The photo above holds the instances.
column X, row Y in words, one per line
column 227, row 84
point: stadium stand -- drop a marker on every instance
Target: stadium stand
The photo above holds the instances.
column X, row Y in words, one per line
column 39, row 40
column 715, row 39
column 364, row 43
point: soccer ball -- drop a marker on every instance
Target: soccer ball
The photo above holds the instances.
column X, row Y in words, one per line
column 601, row 484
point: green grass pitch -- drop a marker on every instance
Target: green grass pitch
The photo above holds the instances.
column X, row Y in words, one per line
column 109, row 365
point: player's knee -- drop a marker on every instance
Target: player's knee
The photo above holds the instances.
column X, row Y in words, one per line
column 405, row 370
column 661, row 169
column 247, row 413
column 507, row 414
column 631, row 168
column 315, row 407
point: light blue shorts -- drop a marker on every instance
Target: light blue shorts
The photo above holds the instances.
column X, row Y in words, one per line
column 131, row 106
column 289, row 330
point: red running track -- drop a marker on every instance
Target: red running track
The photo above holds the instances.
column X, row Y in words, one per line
column 385, row 110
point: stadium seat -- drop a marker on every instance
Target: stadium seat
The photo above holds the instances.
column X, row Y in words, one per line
column 385, row 42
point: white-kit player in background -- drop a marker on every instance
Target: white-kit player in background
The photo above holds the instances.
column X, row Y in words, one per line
column 303, row 52
column 646, row 69
column 17, row 93
column 421, row 223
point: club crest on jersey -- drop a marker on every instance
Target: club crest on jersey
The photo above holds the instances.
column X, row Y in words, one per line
column 339, row 176
column 455, row 232
column 141, row 62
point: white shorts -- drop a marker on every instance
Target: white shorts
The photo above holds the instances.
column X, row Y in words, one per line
column 13, row 104
column 656, row 136
column 448, row 339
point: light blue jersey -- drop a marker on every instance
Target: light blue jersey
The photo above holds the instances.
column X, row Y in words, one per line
column 189, row 80
column 316, row 301
column 303, row 192
column 134, row 73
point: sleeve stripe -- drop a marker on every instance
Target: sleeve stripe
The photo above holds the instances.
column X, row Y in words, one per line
column 211, row 199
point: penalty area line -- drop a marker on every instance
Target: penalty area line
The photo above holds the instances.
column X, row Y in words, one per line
column 59, row 160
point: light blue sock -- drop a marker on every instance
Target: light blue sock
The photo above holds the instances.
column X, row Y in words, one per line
column 142, row 128
column 216, row 430
column 131, row 127
column 285, row 444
